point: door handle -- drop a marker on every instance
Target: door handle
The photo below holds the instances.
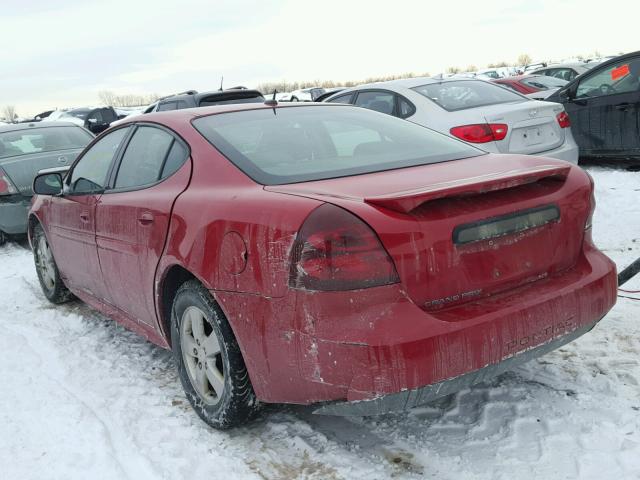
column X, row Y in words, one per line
column 145, row 219
column 84, row 216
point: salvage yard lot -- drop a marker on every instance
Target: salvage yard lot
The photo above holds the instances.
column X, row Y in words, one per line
column 84, row 398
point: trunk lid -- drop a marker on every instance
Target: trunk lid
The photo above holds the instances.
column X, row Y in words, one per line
column 533, row 127
column 22, row 169
column 440, row 222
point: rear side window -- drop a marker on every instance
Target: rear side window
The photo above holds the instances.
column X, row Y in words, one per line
column 177, row 156
column 382, row 102
column 405, row 109
column 163, row 107
column 463, row 94
column 325, row 141
column 144, row 158
column 566, row 74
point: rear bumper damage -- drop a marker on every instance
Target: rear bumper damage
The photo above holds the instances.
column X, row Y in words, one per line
column 375, row 350
column 401, row 401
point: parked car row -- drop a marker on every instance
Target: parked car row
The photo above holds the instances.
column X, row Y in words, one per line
column 596, row 114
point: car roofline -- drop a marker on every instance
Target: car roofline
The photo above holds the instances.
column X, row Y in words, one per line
column 15, row 127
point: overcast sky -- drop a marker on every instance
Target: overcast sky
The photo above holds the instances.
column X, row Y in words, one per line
column 62, row 53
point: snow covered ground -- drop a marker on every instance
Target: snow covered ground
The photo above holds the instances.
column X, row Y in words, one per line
column 82, row 398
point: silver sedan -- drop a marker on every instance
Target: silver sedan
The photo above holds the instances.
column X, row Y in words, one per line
column 478, row 112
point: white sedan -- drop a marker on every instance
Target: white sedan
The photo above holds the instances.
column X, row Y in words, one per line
column 478, row 112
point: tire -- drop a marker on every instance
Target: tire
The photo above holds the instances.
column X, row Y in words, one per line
column 52, row 285
column 294, row 99
column 207, row 354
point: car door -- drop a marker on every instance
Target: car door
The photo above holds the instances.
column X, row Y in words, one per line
column 132, row 217
column 604, row 109
column 72, row 227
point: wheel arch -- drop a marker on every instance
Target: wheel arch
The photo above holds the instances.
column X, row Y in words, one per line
column 32, row 221
column 172, row 278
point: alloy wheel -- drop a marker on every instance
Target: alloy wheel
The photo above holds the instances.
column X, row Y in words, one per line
column 45, row 263
column 202, row 355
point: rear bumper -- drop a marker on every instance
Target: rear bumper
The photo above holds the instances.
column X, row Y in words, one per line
column 568, row 152
column 401, row 401
column 13, row 216
column 375, row 351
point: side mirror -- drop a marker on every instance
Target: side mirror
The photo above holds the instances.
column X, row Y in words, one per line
column 48, row 184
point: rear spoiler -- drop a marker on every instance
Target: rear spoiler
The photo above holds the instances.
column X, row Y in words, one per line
column 407, row 200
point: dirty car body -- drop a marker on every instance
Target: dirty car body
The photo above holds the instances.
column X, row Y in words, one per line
column 24, row 150
column 364, row 263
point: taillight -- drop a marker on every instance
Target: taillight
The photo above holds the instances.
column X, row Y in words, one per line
column 563, row 120
column 6, row 187
column 481, row 132
column 335, row 250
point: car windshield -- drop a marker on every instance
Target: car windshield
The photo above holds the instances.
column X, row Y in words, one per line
column 38, row 140
column 298, row 144
column 463, row 94
column 80, row 113
column 543, row 82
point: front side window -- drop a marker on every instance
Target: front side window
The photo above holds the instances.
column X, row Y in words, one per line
column 379, row 101
column 90, row 173
column 39, row 140
column 342, row 98
column 620, row 77
column 318, row 142
column 144, row 158
column 463, row 94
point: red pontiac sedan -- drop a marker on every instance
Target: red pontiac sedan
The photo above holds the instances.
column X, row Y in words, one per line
column 321, row 254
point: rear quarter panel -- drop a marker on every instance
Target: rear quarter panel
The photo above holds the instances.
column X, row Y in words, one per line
column 228, row 231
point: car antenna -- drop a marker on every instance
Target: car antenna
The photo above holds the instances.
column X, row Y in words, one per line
column 272, row 102
column 221, row 80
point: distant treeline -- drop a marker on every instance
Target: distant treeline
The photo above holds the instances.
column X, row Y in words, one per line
column 284, row 86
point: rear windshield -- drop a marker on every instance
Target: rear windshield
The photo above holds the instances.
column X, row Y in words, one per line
column 298, row 144
column 224, row 100
column 464, row 94
column 38, row 140
column 80, row 113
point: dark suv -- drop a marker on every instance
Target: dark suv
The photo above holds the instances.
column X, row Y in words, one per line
column 193, row 99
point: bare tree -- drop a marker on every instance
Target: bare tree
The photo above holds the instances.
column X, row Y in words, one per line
column 9, row 113
column 471, row 68
column 498, row 65
column 453, row 70
column 106, row 97
column 524, row 59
